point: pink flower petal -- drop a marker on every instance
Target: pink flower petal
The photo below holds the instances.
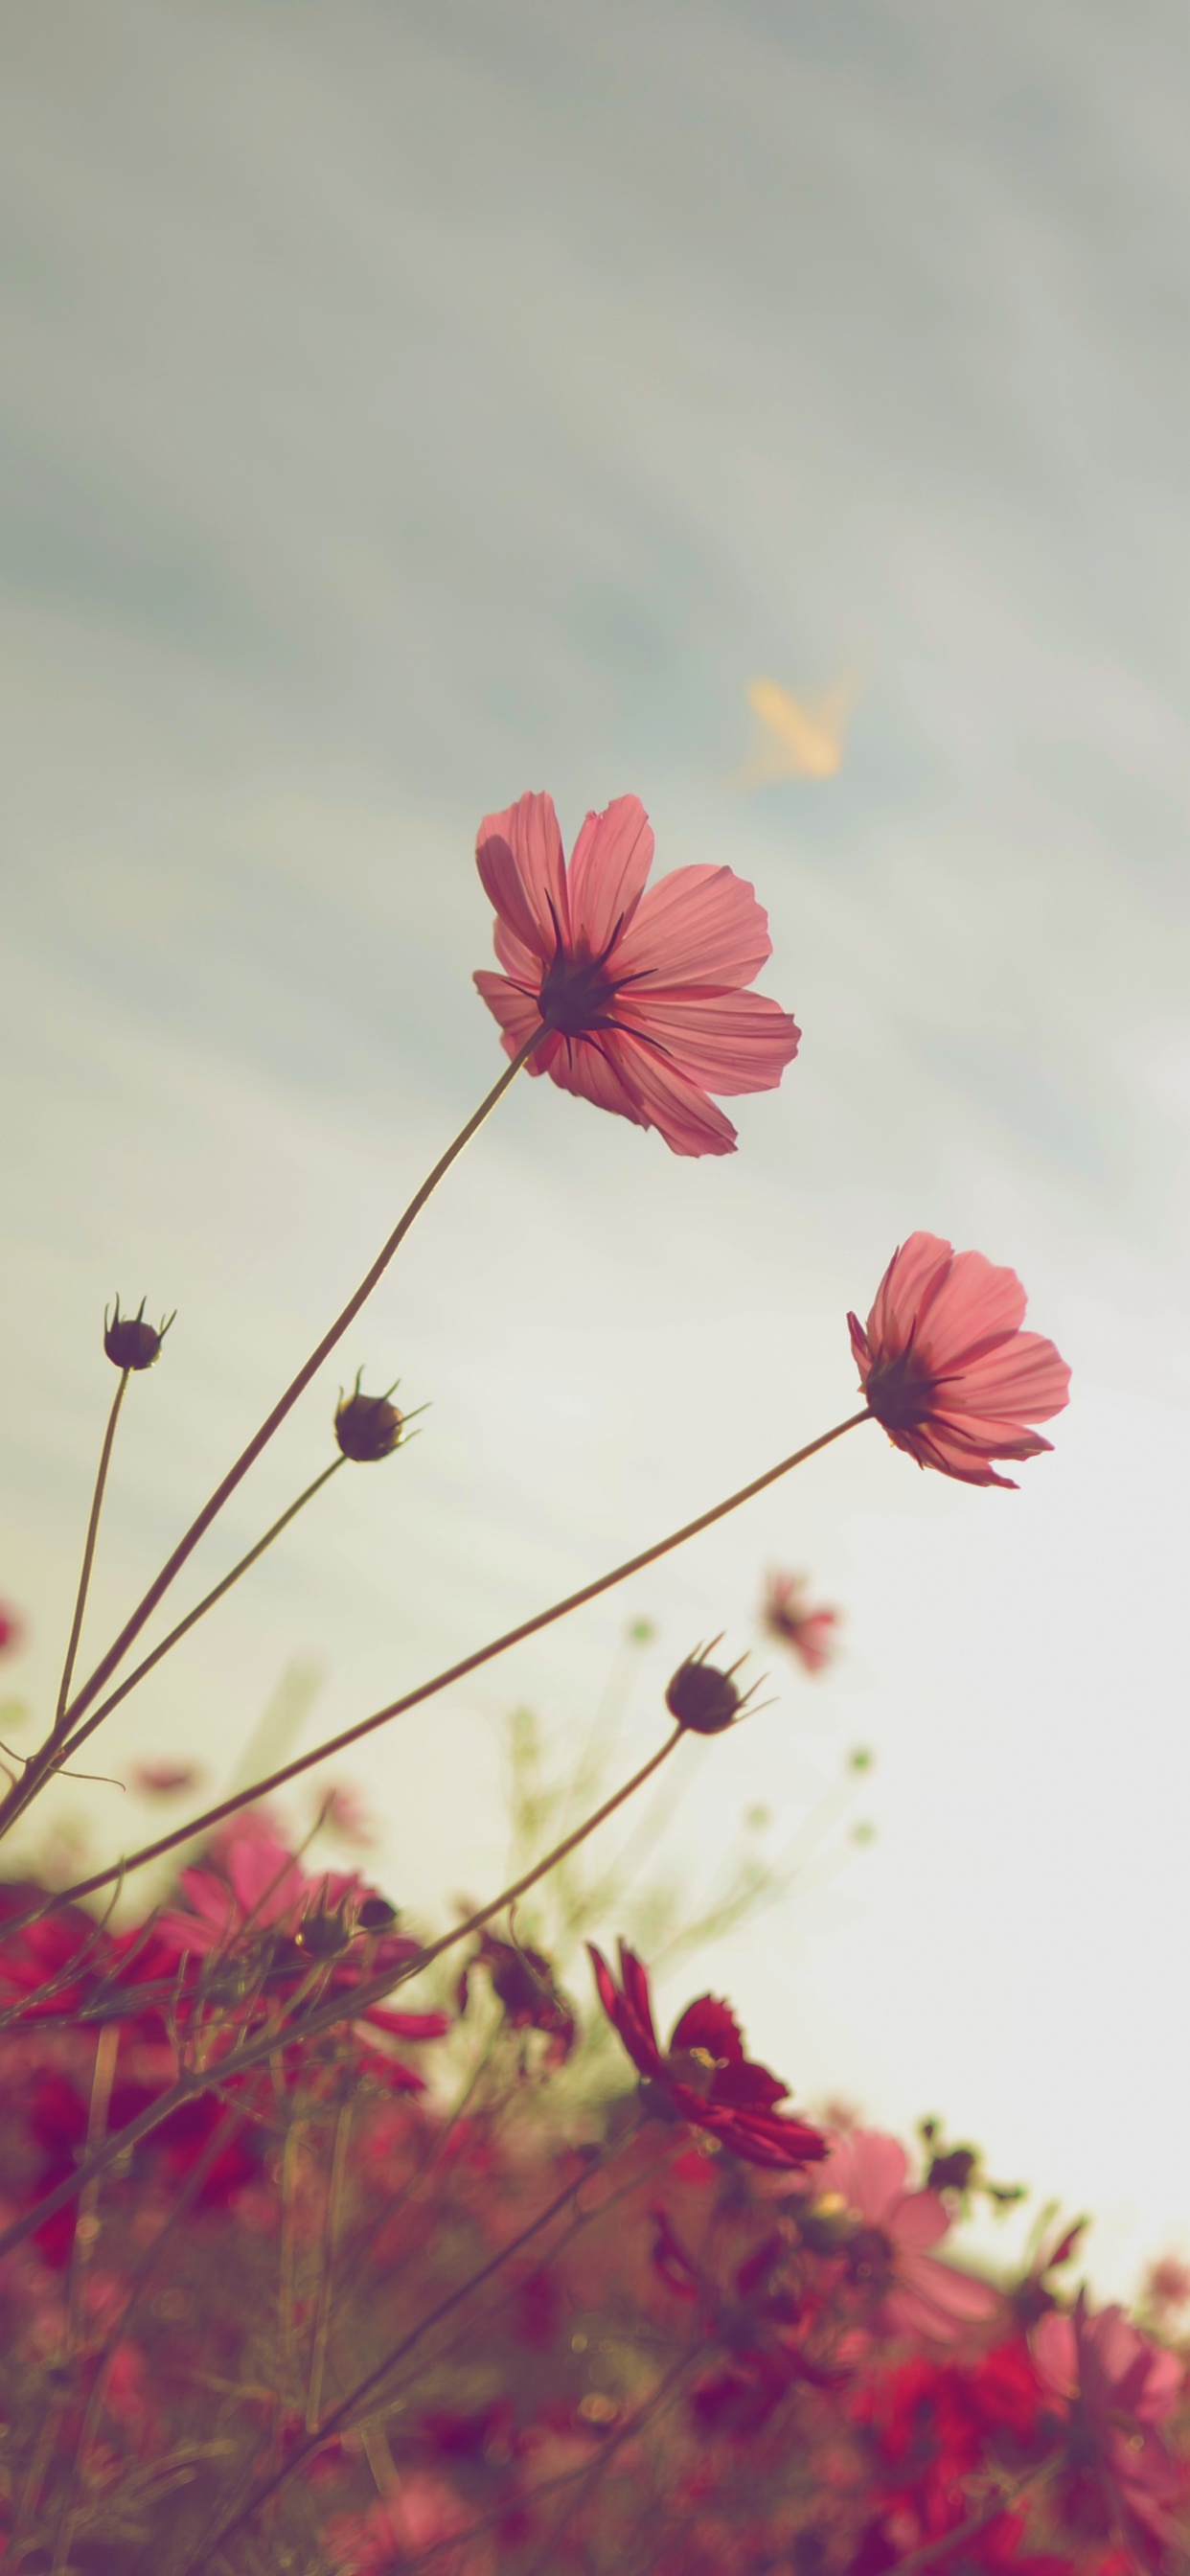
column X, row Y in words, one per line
column 1022, row 1380
column 913, row 1279
column 700, row 925
column 920, row 2221
column 586, row 1066
column 869, row 2170
column 727, row 1042
column 946, row 2299
column 976, row 1302
column 523, row 872
column 689, row 1122
column 609, row 864
column 518, row 1016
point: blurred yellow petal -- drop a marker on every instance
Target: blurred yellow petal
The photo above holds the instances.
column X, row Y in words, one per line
column 796, row 737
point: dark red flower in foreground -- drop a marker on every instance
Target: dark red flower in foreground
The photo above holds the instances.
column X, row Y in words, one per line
column 639, row 998
column 704, row 2076
column 946, row 1368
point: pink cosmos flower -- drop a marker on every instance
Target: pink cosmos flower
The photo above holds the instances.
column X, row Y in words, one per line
column 639, row 998
column 335, row 1920
column 946, row 1368
column 1118, row 2389
column 787, row 1615
column 862, row 2202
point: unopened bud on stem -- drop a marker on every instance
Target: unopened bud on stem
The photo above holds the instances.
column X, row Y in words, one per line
column 702, row 1698
column 130, row 1343
column 370, row 1426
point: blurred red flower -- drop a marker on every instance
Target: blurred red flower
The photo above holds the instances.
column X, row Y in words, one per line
column 523, row 1982
column 704, row 2076
column 946, row 1368
column 640, row 998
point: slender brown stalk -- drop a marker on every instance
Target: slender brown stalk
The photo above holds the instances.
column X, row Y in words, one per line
column 87, row 2223
column 441, row 1681
column 334, row 2213
column 346, row 2006
column 260, row 1440
column 55, row 1753
column 88, row 1560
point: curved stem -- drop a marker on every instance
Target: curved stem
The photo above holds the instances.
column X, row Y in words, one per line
column 343, row 2007
column 441, row 1681
column 260, row 1440
column 88, row 1560
column 42, row 1769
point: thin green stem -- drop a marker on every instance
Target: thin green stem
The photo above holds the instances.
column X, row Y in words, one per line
column 260, row 1440
column 441, row 1681
column 88, row 1558
column 343, row 2007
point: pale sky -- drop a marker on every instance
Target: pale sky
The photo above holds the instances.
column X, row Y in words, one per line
column 408, row 405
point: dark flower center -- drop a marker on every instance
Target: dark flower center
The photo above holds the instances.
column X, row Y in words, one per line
column 869, row 2257
column 900, row 1392
column 576, row 995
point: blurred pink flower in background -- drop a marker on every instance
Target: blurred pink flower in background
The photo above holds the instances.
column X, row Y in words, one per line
column 787, row 1615
column 1120, row 2388
column 12, row 1628
column 946, row 1368
column 865, row 2181
column 640, row 997
column 1167, row 2283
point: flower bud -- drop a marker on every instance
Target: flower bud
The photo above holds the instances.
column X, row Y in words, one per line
column 323, row 1935
column 130, row 1343
column 702, row 1698
column 376, row 1914
column 367, row 1426
column 952, row 2171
